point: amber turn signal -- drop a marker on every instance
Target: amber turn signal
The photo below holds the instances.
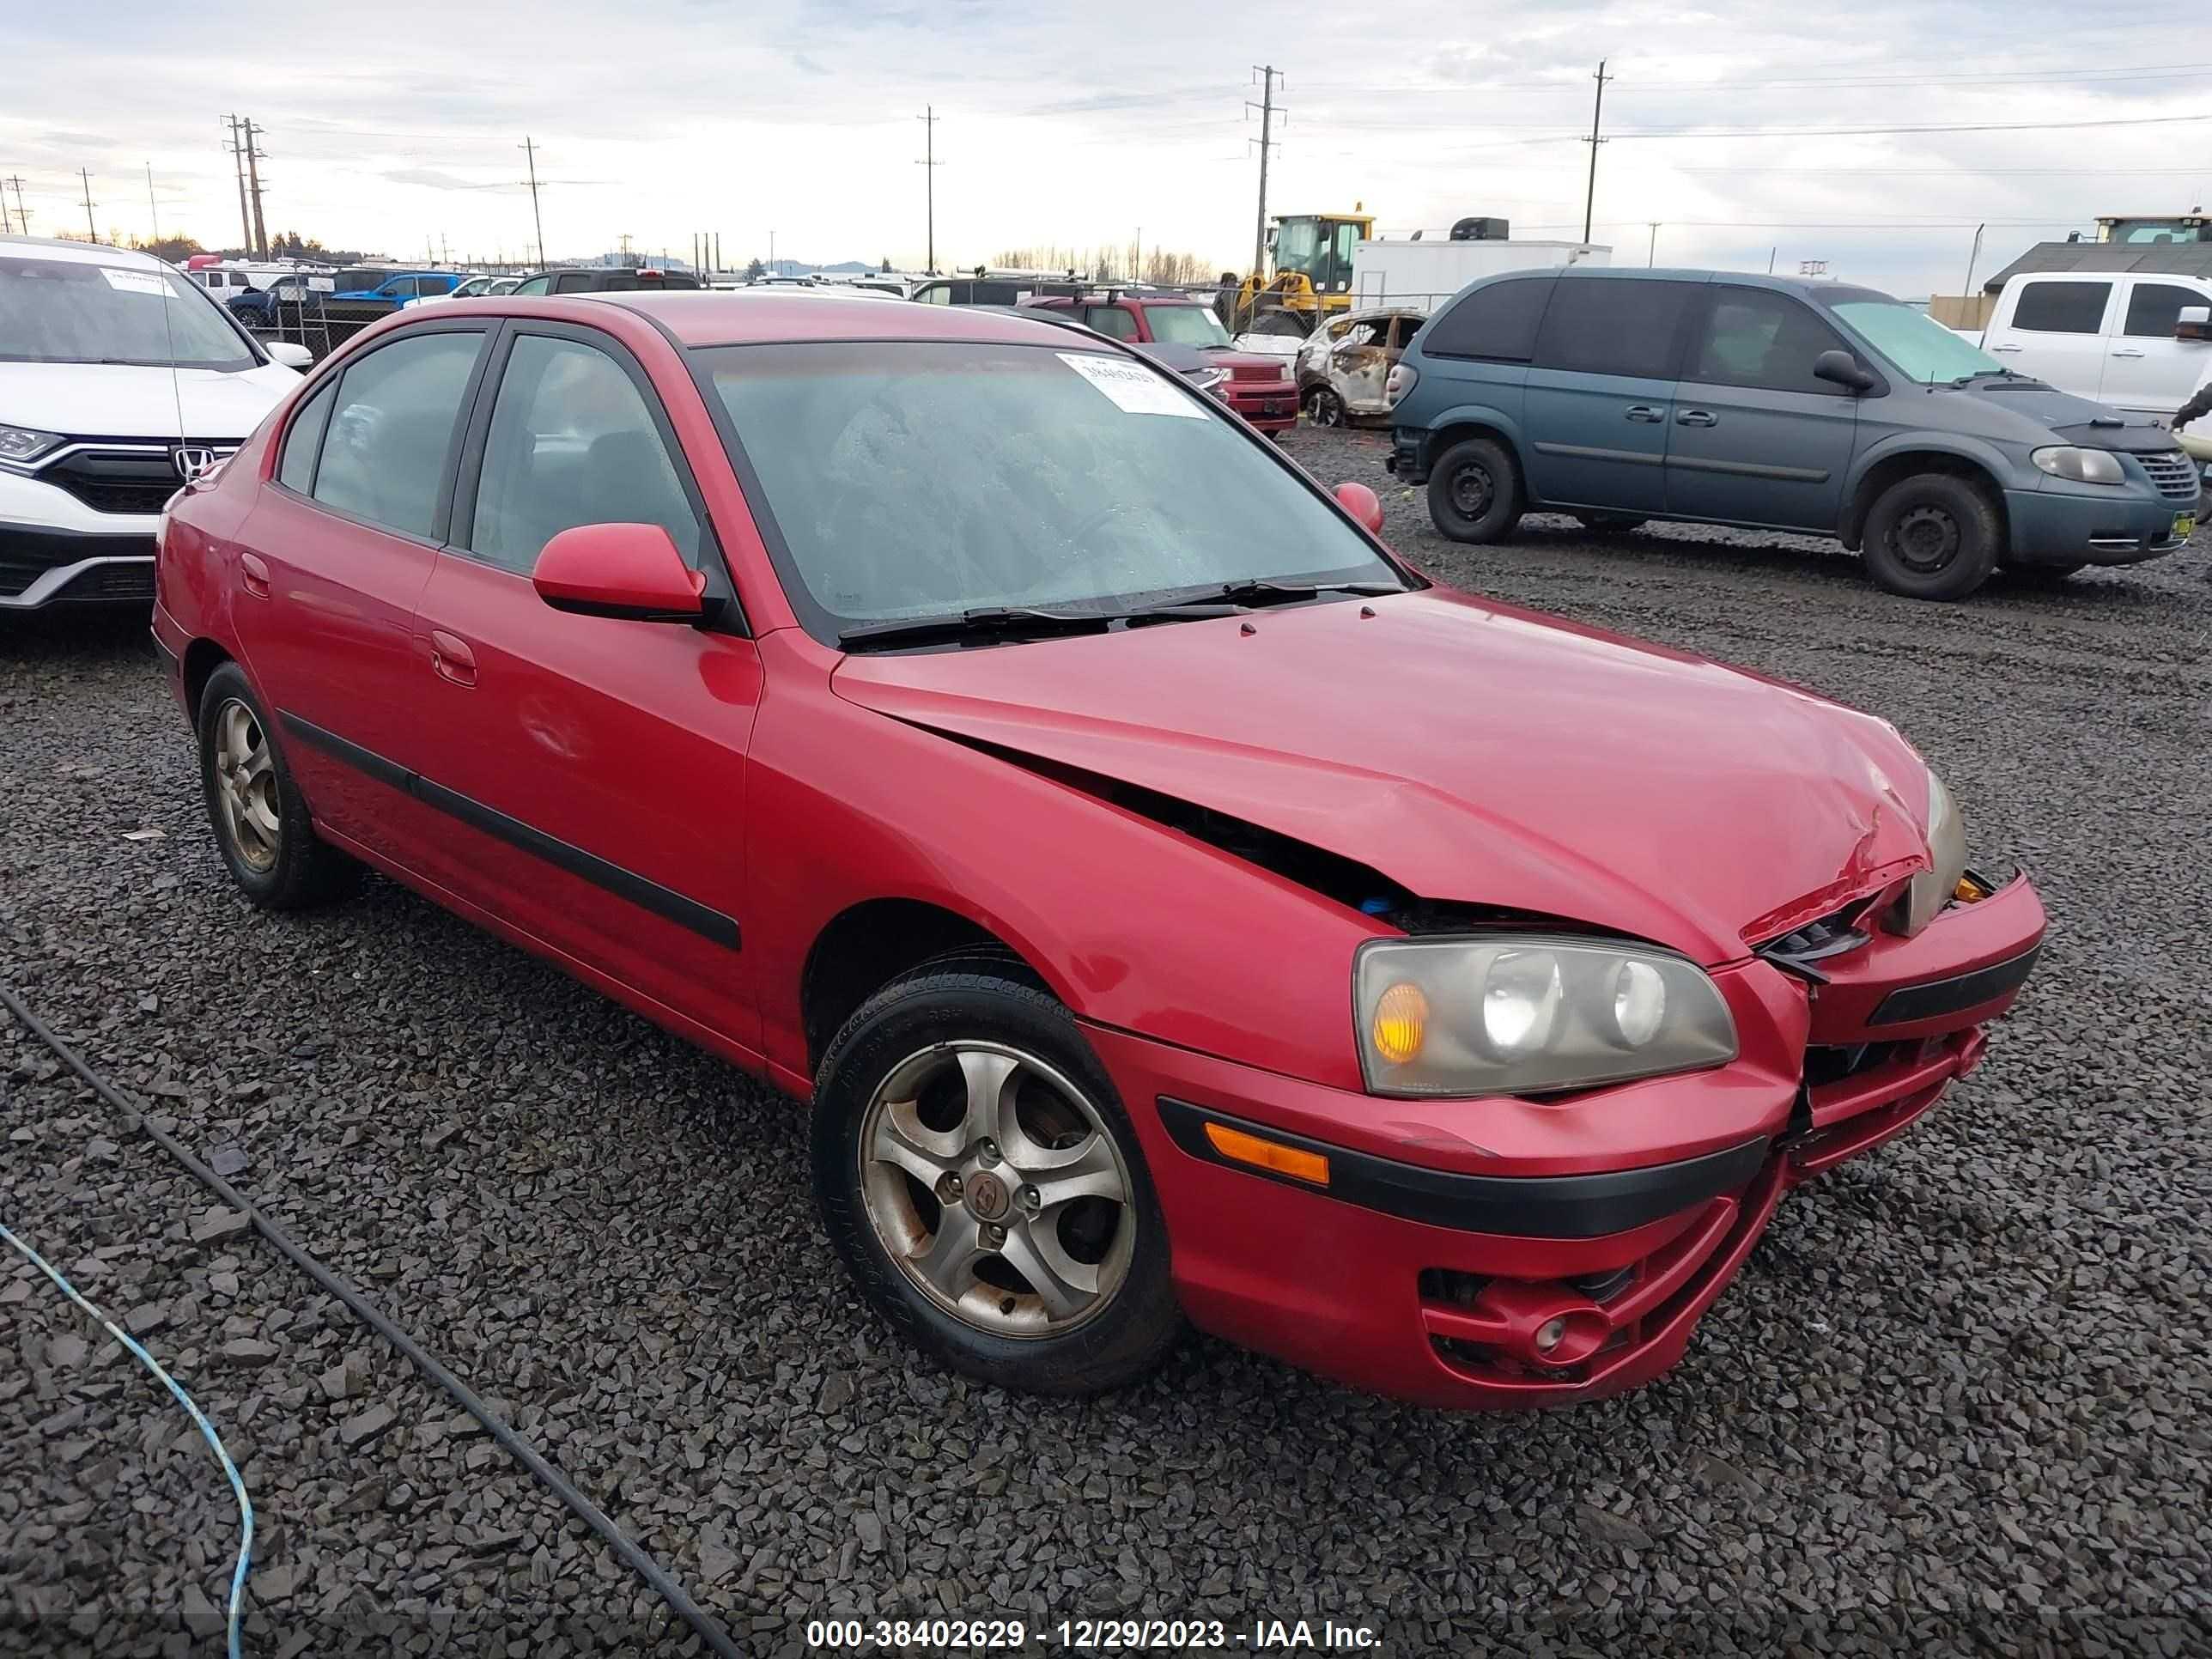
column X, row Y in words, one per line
column 1401, row 1021
column 1269, row 1154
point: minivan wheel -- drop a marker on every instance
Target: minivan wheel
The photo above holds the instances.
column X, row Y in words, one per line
column 262, row 828
column 1475, row 491
column 982, row 1183
column 1933, row 535
column 1324, row 407
column 1609, row 524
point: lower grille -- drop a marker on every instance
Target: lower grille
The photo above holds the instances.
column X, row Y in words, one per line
column 2174, row 474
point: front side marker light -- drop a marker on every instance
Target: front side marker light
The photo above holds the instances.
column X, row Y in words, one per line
column 1293, row 1161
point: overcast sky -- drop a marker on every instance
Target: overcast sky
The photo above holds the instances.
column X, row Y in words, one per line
column 398, row 125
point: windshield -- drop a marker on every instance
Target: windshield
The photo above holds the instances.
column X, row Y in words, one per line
column 1297, row 245
column 65, row 311
column 1191, row 325
column 1915, row 345
column 916, row 479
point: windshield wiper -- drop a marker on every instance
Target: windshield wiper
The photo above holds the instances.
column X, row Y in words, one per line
column 1261, row 591
column 982, row 623
column 2000, row 371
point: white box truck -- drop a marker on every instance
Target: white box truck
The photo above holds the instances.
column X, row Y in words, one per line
column 1424, row 274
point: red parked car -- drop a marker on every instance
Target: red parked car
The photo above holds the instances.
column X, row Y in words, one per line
column 1182, row 335
column 1169, row 905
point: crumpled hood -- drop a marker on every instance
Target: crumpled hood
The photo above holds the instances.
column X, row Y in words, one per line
column 125, row 400
column 1470, row 751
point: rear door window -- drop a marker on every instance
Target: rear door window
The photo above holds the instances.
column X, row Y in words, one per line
column 1624, row 325
column 1755, row 337
column 295, row 468
column 392, row 430
column 2061, row 308
column 1117, row 322
column 2154, row 308
column 1497, row 322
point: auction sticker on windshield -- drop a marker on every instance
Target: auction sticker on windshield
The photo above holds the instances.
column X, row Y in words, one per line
column 133, row 282
column 1132, row 387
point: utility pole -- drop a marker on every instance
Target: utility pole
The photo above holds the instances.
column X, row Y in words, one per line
column 238, row 166
column 1972, row 259
column 771, row 254
column 253, row 184
column 153, row 208
column 91, row 230
column 1652, row 257
column 929, row 165
column 718, row 250
column 1268, row 75
column 1597, row 114
column 22, row 219
column 530, row 149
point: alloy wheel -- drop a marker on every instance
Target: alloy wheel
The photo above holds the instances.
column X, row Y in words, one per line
column 246, row 786
column 996, row 1187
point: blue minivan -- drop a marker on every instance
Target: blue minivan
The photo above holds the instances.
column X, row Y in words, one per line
column 1713, row 397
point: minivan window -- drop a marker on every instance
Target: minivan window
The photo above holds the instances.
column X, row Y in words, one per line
column 385, row 455
column 1496, row 321
column 1914, row 344
column 66, row 311
column 2061, row 307
column 925, row 478
column 2154, row 308
column 1629, row 326
column 1755, row 337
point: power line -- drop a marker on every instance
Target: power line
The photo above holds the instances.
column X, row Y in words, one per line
column 1851, row 132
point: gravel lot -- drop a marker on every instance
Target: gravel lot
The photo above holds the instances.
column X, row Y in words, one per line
column 1959, row 1401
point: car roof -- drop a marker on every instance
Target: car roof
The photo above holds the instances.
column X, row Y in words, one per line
column 84, row 254
column 704, row 317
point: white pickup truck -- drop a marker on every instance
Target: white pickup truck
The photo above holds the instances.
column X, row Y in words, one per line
column 2137, row 341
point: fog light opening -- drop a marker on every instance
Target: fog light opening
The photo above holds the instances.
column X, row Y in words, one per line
column 1548, row 1334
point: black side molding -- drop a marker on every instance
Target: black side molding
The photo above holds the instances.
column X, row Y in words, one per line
column 1522, row 1206
column 1937, row 997
column 641, row 890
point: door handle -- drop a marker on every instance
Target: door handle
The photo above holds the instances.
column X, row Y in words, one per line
column 2127, row 351
column 2004, row 347
column 1696, row 417
column 451, row 657
column 1646, row 412
column 253, row 575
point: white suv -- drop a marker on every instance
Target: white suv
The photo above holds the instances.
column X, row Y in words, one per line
column 119, row 380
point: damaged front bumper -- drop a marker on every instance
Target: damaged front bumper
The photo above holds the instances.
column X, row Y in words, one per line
column 1508, row 1252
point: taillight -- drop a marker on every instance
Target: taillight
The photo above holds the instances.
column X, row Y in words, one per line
column 1403, row 376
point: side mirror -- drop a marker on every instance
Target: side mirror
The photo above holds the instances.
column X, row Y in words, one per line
column 2193, row 323
column 629, row 571
column 290, row 353
column 1362, row 503
column 1841, row 369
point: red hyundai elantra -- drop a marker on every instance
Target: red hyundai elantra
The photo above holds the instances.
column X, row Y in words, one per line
column 1168, row 904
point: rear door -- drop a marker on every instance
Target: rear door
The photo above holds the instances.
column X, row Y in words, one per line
column 1601, row 395
column 591, row 771
column 331, row 561
column 2146, row 369
column 1755, row 437
column 2053, row 328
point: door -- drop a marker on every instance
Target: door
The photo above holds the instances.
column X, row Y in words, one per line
column 2054, row 331
column 1756, row 438
column 1359, row 364
column 1601, row 397
column 332, row 561
column 2146, row 369
column 593, row 771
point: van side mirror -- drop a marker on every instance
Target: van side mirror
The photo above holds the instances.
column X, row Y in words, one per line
column 629, row 571
column 1840, row 368
column 2193, row 323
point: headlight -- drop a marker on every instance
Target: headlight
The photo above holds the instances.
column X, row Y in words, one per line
column 1931, row 890
column 2098, row 466
column 1206, row 379
column 1521, row 1015
column 21, row 445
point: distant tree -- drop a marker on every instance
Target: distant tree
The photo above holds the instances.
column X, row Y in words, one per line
column 174, row 249
column 754, row 271
column 886, row 266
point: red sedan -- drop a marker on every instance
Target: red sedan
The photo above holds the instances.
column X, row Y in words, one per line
column 1167, row 904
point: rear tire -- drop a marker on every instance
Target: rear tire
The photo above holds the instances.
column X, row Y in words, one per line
column 1475, row 491
column 965, row 1072
column 1933, row 535
column 1324, row 407
column 1609, row 524
column 262, row 828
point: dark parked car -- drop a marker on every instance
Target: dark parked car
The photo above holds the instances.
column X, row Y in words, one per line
column 603, row 279
column 1620, row 396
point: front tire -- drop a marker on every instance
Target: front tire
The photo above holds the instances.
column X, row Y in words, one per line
column 1475, row 491
column 1324, row 407
column 981, row 1180
column 1933, row 535
column 260, row 819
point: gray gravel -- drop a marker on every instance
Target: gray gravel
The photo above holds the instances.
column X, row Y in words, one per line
column 1959, row 1401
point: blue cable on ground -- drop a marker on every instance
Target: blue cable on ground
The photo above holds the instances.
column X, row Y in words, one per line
column 237, row 1484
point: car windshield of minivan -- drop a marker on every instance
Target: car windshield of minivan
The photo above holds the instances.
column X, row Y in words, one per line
column 933, row 479
column 1917, row 344
column 65, row 311
column 1193, row 325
